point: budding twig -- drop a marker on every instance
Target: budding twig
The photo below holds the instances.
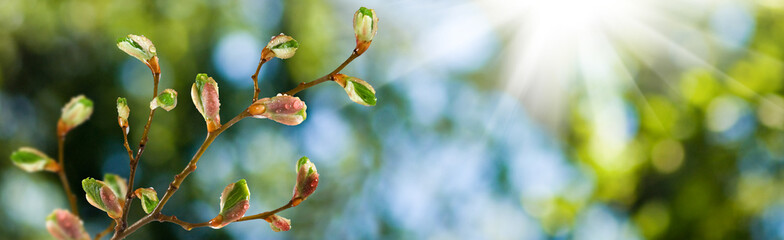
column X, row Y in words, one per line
column 178, row 179
column 255, row 76
column 135, row 160
column 303, row 86
column 189, row 226
column 63, row 177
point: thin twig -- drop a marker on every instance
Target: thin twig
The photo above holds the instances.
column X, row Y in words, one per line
column 135, row 160
column 105, row 231
column 125, row 143
column 188, row 226
column 265, row 215
column 63, row 177
column 185, row 225
column 306, row 85
column 255, row 78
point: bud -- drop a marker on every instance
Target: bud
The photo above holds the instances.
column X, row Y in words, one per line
column 76, row 112
column 278, row 223
column 280, row 46
column 234, row 202
column 148, row 197
column 284, row 109
column 122, row 112
column 141, row 48
column 101, row 196
column 358, row 90
column 205, row 96
column 32, row 160
column 365, row 27
column 116, row 183
column 166, row 100
column 307, row 180
column 63, row 225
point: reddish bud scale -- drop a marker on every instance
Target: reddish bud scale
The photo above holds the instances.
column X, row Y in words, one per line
column 233, row 214
column 278, row 223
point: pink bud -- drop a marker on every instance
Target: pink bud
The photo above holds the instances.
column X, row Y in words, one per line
column 282, row 108
column 307, row 180
column 278, row 223
column 65, row 226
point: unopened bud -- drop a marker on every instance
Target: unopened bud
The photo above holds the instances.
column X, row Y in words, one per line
column 357, row 89
column 148, row 197
column 205, row 97
column 122, row 112
column 141, row 48
column 74, row 113
column 281, row 46
column 166, row 100
column 307, row 180
column 235, row 200
column 32, row 160
column 365, row 27
column 101, row 196
column 278, row 223
column 282, row 108
column 63, row 225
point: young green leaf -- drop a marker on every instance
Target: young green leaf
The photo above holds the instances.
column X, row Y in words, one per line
column 148, row 197
column 166, row 100
column 235, row 200
column 32, row 160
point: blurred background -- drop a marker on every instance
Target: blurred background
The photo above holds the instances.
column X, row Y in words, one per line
column 496, row 119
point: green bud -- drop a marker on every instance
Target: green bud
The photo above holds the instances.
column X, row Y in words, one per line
column 204, row 94
column 365, row 27
column 235, row 200
column 32, row 160
column 74, row 113
column 283, row 46
column 358, row 90
column 278, row 223
column 63, row 225
column 148, row 197
column 166, row 100
column 137, row 46
column 122, row 112
column 282, row 108
column 100, row 195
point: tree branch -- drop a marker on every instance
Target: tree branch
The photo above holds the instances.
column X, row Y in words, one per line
column 255, row 76
column 178, row 179
column 63, row 177
column 306, row 85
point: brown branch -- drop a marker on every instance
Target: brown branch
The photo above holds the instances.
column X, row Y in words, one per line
column 306, row 85
column 125, row 143
column 105, row 231
column 185, row 225
column 255, row 76
column 188, row 226
column 178, row 179
column 62, row 175
column 265, row 215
